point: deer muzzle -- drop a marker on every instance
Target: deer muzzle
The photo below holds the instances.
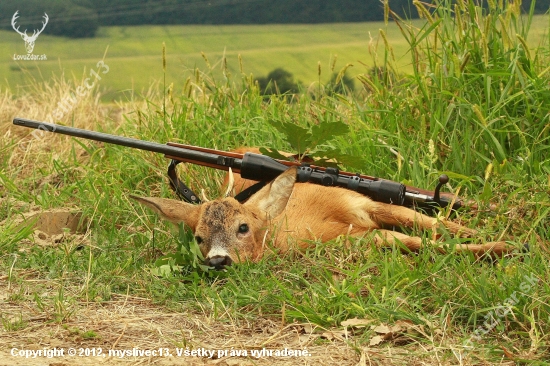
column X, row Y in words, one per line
column 218, row 261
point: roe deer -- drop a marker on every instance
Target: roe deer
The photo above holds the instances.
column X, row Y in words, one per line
column 285, row 212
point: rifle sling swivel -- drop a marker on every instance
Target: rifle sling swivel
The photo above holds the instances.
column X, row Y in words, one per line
column 182, row 191
column 185, row 193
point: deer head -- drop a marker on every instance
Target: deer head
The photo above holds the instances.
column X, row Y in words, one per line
column 29, row 40
column 228, row 231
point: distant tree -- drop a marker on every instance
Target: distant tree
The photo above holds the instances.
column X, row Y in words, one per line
column 541, row 6
column 137, row 12
column 278, row 81
column 73, row 21
column 79, row 18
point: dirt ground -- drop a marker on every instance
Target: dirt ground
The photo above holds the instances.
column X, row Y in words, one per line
column 128, row 323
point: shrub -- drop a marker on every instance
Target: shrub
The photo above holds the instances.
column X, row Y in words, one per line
column 278, row 81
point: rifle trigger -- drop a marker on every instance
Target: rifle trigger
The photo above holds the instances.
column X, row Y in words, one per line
column 183, row 192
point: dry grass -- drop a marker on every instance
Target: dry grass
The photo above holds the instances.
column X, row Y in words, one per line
column 126, row 322
column 48, row 101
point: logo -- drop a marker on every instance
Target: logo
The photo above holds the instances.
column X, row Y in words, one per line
column 29, row 40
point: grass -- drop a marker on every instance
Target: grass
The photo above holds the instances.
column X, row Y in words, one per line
column 474, row 106
column 133, row 53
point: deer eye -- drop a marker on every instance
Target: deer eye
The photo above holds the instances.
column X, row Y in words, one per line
column 243, row 228
column 198, row 239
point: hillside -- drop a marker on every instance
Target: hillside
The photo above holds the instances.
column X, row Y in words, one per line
column 134, row 53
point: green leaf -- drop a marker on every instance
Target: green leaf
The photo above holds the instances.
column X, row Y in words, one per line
column 272, row 153
column 166, row 266
column 357, row 162
column 166, row 270
column 298, row 137
column 487, row 192
column 195, row 250
column 341, row 158
column 324, row 132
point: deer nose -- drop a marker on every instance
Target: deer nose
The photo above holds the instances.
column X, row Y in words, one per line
column 218, row 261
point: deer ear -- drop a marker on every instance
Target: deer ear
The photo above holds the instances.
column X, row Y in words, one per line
column 172, row 210
column 273, row 198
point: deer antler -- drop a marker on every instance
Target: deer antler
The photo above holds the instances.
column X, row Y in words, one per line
column 13, row 20
column 230, row 184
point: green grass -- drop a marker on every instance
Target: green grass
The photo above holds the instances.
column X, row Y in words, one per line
column 483, row 120
column 133, row 53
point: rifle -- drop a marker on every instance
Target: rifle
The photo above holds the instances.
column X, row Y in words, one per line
column 263, row 169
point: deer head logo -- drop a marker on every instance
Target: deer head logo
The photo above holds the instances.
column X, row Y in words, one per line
column 29, row 40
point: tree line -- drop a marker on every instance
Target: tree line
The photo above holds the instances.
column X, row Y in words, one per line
column 81, row 18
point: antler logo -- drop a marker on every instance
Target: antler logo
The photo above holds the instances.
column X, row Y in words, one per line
column 29, row 40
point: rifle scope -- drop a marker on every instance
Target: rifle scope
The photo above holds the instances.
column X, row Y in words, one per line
column 263, row 168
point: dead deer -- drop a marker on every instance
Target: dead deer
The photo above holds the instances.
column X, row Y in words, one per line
column 285, row 212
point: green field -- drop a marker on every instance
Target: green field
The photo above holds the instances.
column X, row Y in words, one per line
column 134, row 54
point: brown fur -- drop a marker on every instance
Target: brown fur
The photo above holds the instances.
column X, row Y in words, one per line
column 284, row 212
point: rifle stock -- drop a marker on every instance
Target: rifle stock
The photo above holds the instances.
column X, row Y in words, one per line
column 262, row 168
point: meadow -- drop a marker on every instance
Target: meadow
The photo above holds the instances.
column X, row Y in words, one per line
column 458, row 93
column 135, row 53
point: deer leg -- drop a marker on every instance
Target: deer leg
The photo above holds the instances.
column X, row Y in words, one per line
column 402, row 216
column 494, row 248
column 387, row 238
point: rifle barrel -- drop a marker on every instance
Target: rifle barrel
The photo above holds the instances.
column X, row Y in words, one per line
column 207, row 158
column 251, row 166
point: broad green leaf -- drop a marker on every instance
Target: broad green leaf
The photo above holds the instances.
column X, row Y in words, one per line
column 165, row 270
column 326, row 162
column 324, row 132
column 339, row 157
column 272, row 153
column 298, row 137
column 166, row 266
column 195, row 250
